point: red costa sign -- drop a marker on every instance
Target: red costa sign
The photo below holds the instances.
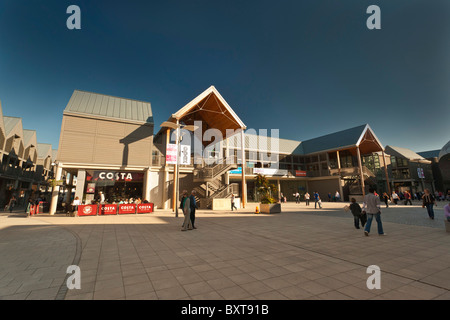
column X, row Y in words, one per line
column 299, row 173
column 108, row 209
column 127, row 208
column 87, row 210
column 145, row 208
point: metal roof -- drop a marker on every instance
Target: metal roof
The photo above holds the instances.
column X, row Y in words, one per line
column 334, row 141
column 10, row 123
column 403, row 153
column 100, row 105
column 44, row 150
column 429, row 154
column 28, row 137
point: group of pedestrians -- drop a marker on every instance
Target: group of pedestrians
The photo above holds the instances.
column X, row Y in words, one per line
column 188, row 204
column 366, row 214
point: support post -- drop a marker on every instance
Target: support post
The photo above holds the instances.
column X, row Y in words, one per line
column 244, row 184
column 361, row 173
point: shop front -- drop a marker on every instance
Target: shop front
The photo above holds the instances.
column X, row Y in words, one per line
column 114, row 187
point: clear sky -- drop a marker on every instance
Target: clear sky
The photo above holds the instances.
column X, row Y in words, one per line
column 308, row 68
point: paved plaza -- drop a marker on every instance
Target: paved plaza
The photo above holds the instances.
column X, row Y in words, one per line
column 301, row 253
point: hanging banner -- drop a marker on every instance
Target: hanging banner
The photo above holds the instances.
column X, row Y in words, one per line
column 127, row 208
column 90, row 188
column 171, row 154
column 145, row 208
column 300, row 173
column 107, row 209
column 87, row 210
column 270, row 172
column 185, row 155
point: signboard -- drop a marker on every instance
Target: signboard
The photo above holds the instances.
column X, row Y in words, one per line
column 236, row 171
column 90, row 188
column 106, row 209
column 145, row 208
column 171, row 153
column 127, row 208
column 421, row 173
column 270, row 172
column 99, row 176
column 300, row 173
column 87, row 210
column 185, row 155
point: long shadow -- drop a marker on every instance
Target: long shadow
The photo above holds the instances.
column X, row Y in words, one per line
column 143, row 132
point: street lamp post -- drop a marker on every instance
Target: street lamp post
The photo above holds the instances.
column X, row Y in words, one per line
column 177, row 126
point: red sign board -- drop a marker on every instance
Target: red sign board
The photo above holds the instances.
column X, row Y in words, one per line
column 127, row 208
column 145, row 208
column 87, row 210
column 299, row 173
column 107, row 209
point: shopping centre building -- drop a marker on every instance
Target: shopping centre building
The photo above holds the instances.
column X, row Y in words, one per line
column 110, row 147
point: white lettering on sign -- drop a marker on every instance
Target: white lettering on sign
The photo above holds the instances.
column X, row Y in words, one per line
column 115, row 176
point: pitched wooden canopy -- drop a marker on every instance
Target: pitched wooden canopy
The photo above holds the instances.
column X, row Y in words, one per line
column 212, row 109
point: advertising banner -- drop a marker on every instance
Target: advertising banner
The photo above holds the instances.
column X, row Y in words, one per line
column 185, row 155
column 107, row 209
column 145, row 208
column 270, row 172
column 171, row 153
column 127, row 208
column 90, row 188
column 300, row 173
column 87, row 210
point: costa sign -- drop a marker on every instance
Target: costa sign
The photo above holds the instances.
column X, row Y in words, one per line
column 108, row 209
column 116, row 176
column 87, row 210
column 127, row 208
column 300, row 173
column 145, row 208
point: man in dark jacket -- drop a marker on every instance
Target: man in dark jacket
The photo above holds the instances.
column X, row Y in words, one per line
column 355, row 208
column 193, row 207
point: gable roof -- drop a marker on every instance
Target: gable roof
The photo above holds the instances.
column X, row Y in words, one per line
column 11, row 123
column 109, row 107
column 29, row 137
column 403, row 153
column 429, row 154
column 44, row 150
column 333, row 141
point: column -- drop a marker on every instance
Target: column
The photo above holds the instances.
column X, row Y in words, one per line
column 244, row 184
column 55, row 190
column 175, row 171
column 360, row 171
column 147, row 185
column 81, row 180
column 166, row 175
column 386, row 173
column 338, row 162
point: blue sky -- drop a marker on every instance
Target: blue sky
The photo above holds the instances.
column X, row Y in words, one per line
column 308, row 68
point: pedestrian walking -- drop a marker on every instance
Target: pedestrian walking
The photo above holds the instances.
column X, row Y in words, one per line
column 307, row 196
column 337, row 196
column 317, row 200
column 371, row 207
column 297, row 197
column 233, row 205
column 395, row 197
column 428, row 201
column 11, row 204
column 186, row 207
column 386, row 199
column 358, row 215
column 407, row 196
column 193, row 206
column 447, row 212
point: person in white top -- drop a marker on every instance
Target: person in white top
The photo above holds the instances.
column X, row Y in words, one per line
column 371, row 207
column 395, row 197
column 307, row 198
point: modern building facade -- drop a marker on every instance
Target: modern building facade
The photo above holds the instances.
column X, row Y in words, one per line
column 108, row 144
column 24, row 170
